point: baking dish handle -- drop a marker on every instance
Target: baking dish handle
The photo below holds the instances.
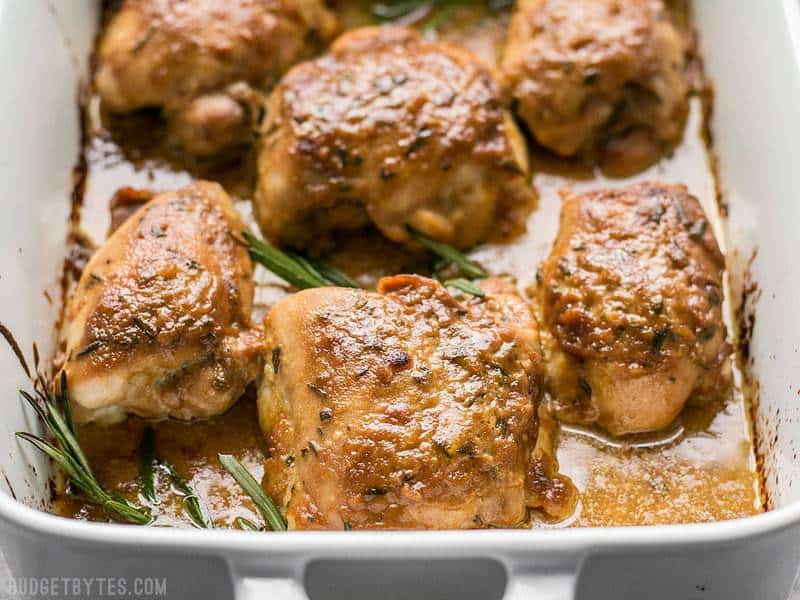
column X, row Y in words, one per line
column 520, row 586
column 540, row 586
column 269, row 588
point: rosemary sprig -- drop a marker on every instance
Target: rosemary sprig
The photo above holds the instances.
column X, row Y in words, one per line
column 147, row 459
column 191, row 501
column 466, row 267
column 296, row 269
column 245, row 524
column 56, row 416
column 432, row 13
column 66, row 407
column 266, row 506
column 330, row 274
column 466, row 286
column 389, row 11
column 281, row 264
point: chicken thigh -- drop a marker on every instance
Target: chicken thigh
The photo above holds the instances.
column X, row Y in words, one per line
column 159, row 325
column 631, row 304
column 599, row 76
column 392, row 130
column 405, row 409
column 195, row 59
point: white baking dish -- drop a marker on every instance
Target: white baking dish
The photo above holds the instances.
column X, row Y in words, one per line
column 752, row 52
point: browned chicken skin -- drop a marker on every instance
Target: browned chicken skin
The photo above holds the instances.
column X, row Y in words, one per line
column 631, row 302
column 160, row 321
column 192, row 59
column 603, row 76
column 392, row 130
column 405, row 409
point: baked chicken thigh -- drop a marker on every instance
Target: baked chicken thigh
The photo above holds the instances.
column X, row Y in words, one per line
column 195, row 60
column 631, row 303
column 605, row 76
column 405, row 409
column 159, row 325
column 392, row 130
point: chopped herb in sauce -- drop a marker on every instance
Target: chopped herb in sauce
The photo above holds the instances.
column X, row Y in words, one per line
column 317, row 390
column 89, row 348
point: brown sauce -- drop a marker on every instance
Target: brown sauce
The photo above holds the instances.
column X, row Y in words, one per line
column 701, row 470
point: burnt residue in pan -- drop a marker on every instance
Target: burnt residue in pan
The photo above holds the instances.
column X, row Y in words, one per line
column 745, row 320
column 79, row 248
column 8, row 484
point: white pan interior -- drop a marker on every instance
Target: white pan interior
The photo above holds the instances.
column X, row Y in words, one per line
column 752, row 53
column 43, row 53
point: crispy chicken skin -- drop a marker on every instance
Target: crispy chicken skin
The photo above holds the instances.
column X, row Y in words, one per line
column 159, row 325
column 405, row 408
column 184, row 56
column 392, row 130
column 630, row 299
column 598, row 75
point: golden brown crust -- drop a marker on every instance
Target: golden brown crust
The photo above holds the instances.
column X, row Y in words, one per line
column 164, row 54
column 632, row 291
column 400, row 409
column 160, row 322
column 390, row 129
column 599, row 75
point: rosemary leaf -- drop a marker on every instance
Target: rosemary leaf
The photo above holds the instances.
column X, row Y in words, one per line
column 431, row 13
column 128, row 511
column 465, row 286
column 190, row 499
column 263, row 502
column 334, row 275
column 442, row 15
column 65, row 437
column 305, row 264
column 391, row 10
column 35, row 405
column 60, row 458
column 300, row 271
column 147, row 459
column 467, row 267
column 283, row 265
column 331, row 274
column 65, row 403
column 245, row 524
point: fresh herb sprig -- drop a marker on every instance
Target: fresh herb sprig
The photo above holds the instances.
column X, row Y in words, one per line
column 467, row 268
column 431, row 13
column 191, row 500
column 331, row 275
column 298, row 270
column 246, row 524
column 55, row 414
column 148, row 462
column 466, row 286
column 266, row 506
column 397, row 9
